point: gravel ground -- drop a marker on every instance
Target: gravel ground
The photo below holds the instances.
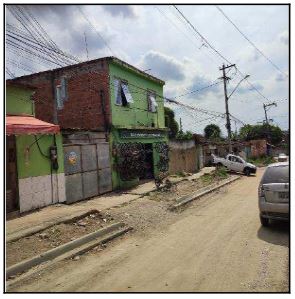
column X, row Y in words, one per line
column 144, row 215
column 216, row 244
column 54, row 236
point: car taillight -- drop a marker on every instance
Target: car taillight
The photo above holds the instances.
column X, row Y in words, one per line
column 261, row 191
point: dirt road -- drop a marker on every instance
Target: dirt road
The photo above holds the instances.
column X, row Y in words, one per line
column 215, row 244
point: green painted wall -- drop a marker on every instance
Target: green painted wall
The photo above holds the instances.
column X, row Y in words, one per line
column 18, row 101
column 136, row 114
column 114, row 139
column 31, row 163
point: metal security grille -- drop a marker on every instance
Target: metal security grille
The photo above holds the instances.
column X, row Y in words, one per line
column 87, row 170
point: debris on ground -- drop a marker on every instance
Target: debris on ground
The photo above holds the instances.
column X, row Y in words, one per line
column 43, row 236
column 81, row 223
column 76, row 258
column 54, row 236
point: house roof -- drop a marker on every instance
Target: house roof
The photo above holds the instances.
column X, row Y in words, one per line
column 108, row 58
column 11, row 82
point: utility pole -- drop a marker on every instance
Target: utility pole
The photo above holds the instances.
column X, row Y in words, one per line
column 225, row 79
column 180, row 125
column 267, row 121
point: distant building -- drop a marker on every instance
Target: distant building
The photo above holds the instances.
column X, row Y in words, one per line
column 109, row 112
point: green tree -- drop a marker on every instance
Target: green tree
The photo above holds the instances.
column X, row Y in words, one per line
column 249, row 132
column 188, row 135
column 245, row 132
column 170, row 122
column 212, row 131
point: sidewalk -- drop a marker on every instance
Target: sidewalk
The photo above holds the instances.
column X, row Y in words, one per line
column 52, row 214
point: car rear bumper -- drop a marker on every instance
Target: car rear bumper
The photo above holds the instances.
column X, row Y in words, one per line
column 273, row 210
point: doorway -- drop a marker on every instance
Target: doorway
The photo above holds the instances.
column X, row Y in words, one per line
column 12, row 202
column 148, row 172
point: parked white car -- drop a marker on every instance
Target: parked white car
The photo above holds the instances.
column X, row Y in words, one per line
column 235, row 163
column 282, row 157
column 273, row 193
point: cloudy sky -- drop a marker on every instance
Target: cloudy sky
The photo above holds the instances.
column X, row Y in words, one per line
column 157, row 38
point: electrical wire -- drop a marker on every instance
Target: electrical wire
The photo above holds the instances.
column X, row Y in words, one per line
column 257, row 49
column 218, row 53
column 92, row 26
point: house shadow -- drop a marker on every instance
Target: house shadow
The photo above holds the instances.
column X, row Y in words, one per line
column 277, row 233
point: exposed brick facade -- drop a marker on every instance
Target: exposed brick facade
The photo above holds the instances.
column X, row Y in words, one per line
column 83, row 108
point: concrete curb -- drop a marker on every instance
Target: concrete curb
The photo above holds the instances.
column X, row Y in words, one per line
column 187, row 178
column 68, row 255
column 36, row 229
column 55, row 252
column 188, row 198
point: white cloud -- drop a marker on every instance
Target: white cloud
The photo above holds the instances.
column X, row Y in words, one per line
column 147, row 39
column 126, row 11
column 163, row 66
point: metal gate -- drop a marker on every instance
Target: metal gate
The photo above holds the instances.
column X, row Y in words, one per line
column 87, row 170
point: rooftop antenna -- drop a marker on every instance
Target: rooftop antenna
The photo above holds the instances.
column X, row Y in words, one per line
column 86, row 45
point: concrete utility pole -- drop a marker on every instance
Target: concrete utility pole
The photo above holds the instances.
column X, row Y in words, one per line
column 225, row 79
column 266, row 120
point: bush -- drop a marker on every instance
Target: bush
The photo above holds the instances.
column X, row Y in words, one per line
column 262, row 161
column 184, row 136
column 221, row 172
column 218, row 174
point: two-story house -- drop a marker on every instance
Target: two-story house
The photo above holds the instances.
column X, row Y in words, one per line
column 111, row 115
column 34, row 154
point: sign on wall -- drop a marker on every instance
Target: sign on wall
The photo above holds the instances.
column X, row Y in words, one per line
column 142, row 134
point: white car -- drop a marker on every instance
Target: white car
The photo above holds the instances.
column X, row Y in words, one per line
column 235, row 163
column 282, row 158
column 273, row 193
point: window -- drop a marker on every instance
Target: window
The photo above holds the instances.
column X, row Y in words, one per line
column 59, row 100
column 61, row 93
column 64, row 88
column 276, row 174
column 239, row 160
column 122, row 95
column 152, row 103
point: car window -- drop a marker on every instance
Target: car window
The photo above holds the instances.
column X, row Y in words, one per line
column 278, row 174
column 239, row 160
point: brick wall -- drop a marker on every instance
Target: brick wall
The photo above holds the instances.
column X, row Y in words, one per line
column 83, row 108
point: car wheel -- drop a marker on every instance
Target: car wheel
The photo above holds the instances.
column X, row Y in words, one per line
column 264, row 221
column 219, row 165
column 247, row 172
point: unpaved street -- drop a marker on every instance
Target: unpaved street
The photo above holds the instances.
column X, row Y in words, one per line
column 215, row 244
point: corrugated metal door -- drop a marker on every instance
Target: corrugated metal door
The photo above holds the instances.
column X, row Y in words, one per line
column 87, row 170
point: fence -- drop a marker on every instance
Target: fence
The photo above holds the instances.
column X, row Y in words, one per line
column 184, row 156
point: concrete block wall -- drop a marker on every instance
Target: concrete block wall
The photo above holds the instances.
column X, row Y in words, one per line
column 83, row 108
column 183, row 156
column 38, row 192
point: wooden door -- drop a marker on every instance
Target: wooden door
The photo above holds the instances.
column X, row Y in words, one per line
column 12, row 203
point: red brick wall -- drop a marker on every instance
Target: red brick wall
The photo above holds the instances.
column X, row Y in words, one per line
column 83, row 108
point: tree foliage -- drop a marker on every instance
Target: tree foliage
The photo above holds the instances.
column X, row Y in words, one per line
column 249, row 132
column 188, row 135
column 170, row 122
column 212, row 131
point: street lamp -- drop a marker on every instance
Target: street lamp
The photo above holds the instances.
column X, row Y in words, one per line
column 247, row 76
column 226, row 107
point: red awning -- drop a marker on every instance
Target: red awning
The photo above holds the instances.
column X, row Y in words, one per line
column 17, row 125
